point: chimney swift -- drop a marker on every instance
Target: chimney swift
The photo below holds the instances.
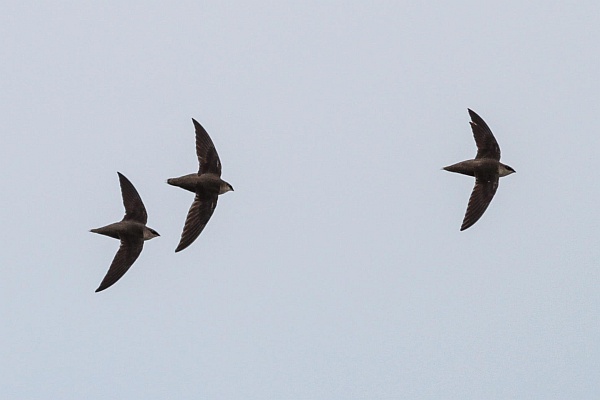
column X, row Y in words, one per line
column 131, row 231
column 486, row 168
column 206, row 184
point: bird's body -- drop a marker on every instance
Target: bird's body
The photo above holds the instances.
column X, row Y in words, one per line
column 210, row 184
column 125, row 229
column 131, row 231
column 206, row 184
column 482, row 167
column 485, row 167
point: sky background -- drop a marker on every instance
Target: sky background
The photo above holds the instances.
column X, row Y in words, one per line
column 336, row 270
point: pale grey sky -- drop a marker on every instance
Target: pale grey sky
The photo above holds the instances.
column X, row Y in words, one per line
column 336, row 270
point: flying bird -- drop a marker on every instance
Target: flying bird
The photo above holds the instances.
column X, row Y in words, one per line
column 131, row 231
column 486, row 168
column 206, row 184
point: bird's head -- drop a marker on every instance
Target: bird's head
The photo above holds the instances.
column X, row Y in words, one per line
column 225, row 187
column 150, row 233
column 506, row 170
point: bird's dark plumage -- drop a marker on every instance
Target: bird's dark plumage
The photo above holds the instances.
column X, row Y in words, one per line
column 129, row 250
column 134, row 207
column 486, row 168
column 487, row 147
column 198, row 216
column 207, row 153
column 131, row 231
column 480, row 199
column 206, row 184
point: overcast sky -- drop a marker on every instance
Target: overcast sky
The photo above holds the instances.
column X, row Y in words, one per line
column 336, row 269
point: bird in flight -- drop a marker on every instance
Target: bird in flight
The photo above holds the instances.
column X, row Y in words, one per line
column 486, row 168
column 131, row 231
column 207, row 185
